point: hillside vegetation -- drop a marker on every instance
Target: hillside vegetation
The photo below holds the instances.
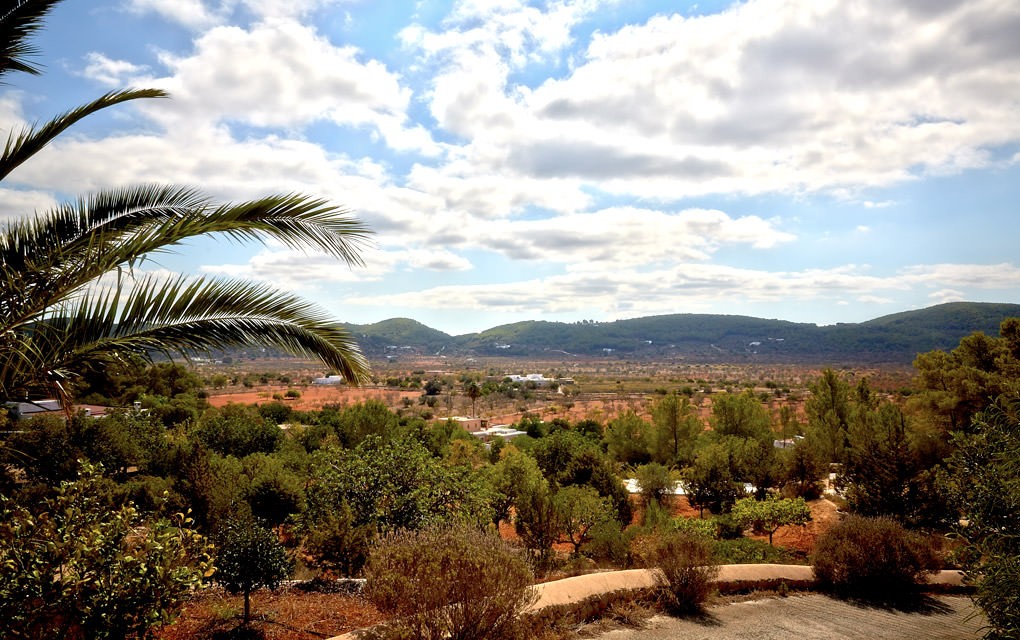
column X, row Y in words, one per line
column 895, row 338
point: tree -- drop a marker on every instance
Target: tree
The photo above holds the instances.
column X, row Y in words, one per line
column 675, row 427
column 984, row 483
column 77, row 566
column 709, row 482
column 250, row 557
column 803, row 472
column 627, row 438
column 766, row 516
column 537, row 521
column 655, row 482
column 238, row 430
column 395, row 485
column 473, row 391
column 513, row 475
column 579, row 509
column 741, row 415
column 56, row 322
column 959, row 384
column 828, row 413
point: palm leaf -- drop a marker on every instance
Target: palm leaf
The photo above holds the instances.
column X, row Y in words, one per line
column 19, row 19
column 24, row 144
column 50, row 257
column 178, row 317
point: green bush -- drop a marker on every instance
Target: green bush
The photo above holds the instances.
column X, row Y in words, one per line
column 751, row 551
column 607, row 544
column 726, row 527
column 686, row 571
column 82, row 568
column 872, row 558
column 449, row 583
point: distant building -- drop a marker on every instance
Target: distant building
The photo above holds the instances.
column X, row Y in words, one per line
column 471, row 425
column 504, row 431
column 33, row 408
column 329, row 380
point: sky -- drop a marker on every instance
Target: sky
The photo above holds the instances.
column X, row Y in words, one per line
column 807, row 160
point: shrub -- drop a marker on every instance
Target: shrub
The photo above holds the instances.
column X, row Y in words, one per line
column 250, row 557
column 449, row 583
column 766, row 516
column 686, row 571
column 607, row 544
column 82, row 568
column 872, row 558
column 751, row 551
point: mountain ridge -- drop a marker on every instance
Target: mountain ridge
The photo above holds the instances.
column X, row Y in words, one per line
column 893, row 338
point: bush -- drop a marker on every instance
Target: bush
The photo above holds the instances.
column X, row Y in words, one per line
column 872, row 558
column 751, row 551
column 83, row 568
column 607, row 544
column 251, row 557
column 449, row 583
column 686, row 571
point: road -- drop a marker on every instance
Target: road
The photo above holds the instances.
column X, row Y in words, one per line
column 816, row 617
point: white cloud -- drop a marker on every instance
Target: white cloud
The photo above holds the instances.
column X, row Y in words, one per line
column 766, row 96
column 108, row 71
column 946, row 295
column 204, row 14
column 193, row 14
column 16, row 203
column 616, row 292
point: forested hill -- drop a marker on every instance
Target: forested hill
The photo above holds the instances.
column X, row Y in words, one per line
column 720, row 338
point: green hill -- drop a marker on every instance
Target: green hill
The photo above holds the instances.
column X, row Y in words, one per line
column 895, row 338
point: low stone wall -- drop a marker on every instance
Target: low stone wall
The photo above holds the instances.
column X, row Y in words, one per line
column 577, row 589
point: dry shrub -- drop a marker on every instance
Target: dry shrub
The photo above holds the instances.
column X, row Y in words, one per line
column 686, row 569
column 872, row 558
column 458, row 583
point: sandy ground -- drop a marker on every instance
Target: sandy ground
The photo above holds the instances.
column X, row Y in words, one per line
column 817, row 617
column 314, row 397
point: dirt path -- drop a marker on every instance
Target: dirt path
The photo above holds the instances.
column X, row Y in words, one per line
column 817, row 617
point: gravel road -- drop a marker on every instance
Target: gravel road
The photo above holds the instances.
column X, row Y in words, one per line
column 816, row 617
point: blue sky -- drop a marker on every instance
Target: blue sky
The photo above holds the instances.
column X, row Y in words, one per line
column 808, row 160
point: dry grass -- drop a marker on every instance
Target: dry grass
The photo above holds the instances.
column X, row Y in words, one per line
column 286, row 614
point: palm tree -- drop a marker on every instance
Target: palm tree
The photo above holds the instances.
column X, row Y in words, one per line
column 474, row 392
column 70, row 297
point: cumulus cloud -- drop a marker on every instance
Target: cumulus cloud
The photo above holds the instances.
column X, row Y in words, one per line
column 108, row 71
column 687, row 286
column 765, row 96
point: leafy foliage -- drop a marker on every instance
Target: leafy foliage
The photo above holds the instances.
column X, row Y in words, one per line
column 79, row 567
column 872, row 558
column 250, row 557
column 985, row 485
column 579, row 509
column 766, row 516
column 709, row 483
column 686, row 570
column 457, row 583
column 396, row 485
column 57, row 322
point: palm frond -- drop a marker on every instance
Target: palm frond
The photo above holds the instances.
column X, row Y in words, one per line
column 24, row 144
column 180, row 317
column 51, row 256
column 19, row 19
